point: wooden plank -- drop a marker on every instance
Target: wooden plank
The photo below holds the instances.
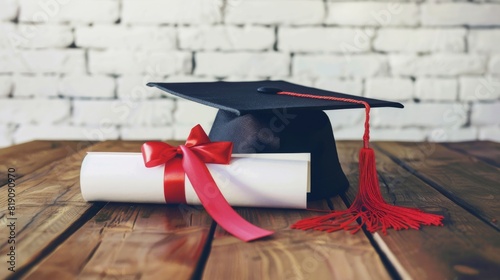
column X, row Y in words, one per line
column 131, row 241
column 465, row 248
column 292, row 254
column 28, row 157
column 48, row 204
column 472, row 184
column 486, row 151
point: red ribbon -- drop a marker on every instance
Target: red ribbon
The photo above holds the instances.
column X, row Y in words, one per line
column 190, row 159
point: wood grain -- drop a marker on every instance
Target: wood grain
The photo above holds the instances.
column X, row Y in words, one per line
column 48, row 202
column 484, row 150
column 131, row 241
column 471, row 183
column 292, row 254
column 28, row 157
column 464, row 248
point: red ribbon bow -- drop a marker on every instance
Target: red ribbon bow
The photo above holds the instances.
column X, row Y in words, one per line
column 190, row 159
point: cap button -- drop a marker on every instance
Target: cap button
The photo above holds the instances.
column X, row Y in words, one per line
column 268, row 90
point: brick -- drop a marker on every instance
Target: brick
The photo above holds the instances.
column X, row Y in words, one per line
column 27, row 133
column 8, row 32
column 190, row 113
column 133, row 87
column 5, row 136
column 36, row 86
column 479, row 88
column 452, row 135
column 389, row 88
column 484, row 41
column 372, row 14
column 490, row 133
column 339, row 66
column 41, row 36
column 96, row 86
column 8, row 9
column 449, row 14
column 5, row 86
column 346, row 119
column 103, row 36
column 172, row 11
column 156, row 112
column 226, row 38
column 242, row 64
column 147, row 133
column 420, row 40
column 74, row 11
column 422, row 115
column 182, row 131
column 485, row 113
column 354, row 86
column 494, row 64
column 320, row 39
column 434, row 89
column 140, row 62
column 43, row 61
column 381, row 134
column 296, row 80
column 296, row 12
column 34, row 111
column 437, row 65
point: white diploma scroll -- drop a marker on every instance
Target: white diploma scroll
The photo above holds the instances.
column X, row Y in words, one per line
column 250, row 180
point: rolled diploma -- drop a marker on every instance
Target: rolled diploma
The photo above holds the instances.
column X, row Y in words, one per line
column 256, row 180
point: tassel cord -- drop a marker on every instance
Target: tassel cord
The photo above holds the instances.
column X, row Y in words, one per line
column 369, row 208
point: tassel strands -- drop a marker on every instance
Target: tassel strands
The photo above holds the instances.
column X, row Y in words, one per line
column 368, row 207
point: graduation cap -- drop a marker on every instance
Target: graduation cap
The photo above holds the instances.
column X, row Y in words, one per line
column 282, row 117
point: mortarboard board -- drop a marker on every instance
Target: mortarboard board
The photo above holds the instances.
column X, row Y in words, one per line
column 257, row 120
column 281, row 117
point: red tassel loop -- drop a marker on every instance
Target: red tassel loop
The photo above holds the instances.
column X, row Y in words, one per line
column 369, row 208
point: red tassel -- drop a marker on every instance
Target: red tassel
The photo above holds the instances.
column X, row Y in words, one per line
column 369, row 207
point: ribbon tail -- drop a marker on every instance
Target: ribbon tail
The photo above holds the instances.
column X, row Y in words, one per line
column 215, row 203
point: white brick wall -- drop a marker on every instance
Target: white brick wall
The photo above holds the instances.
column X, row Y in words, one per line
column 42, row 61
column 400, row 89
column 293, row 12
column 74, row 11
column 8, row 9
column 320, row 39
column 450, row 14
column 156, row 112
column 230, row 38
column 97, row 86
column 420, row 40
column 5, row 86
column 484, row 40
column 108, row 36
column 36, row 85
column 77, row 69
column 170, row 12
column 241, row 64
column 372, row 13
column 37, row 111
column 438, row 65
column 479, row 88
column 339, row 66
column 436, row 89
column 140, row 62
column 485, row 113
column 5, row 136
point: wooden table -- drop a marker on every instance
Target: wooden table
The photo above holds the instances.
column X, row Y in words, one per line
column 60, row 236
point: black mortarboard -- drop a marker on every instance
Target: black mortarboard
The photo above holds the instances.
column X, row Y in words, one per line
column 257, row 120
